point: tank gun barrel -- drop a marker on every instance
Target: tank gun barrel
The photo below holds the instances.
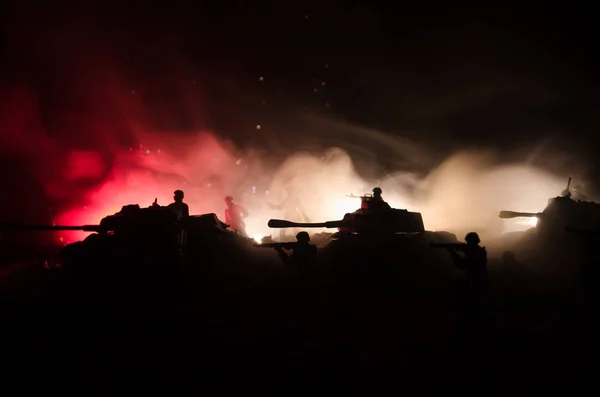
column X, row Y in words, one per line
column 17, row 227
column 513, row 214
column 282, row 224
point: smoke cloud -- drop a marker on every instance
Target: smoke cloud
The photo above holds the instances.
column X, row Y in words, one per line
column 465, row 191
column 83, row 138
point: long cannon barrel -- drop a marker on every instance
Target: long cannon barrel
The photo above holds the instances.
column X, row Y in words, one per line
column 512, row 214
column 21, row 227
column 282, row 224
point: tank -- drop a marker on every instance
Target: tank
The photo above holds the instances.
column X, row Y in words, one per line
column 562, row 212
column 148, row 237
column 373, row 225
column 387, row 246
column 560, row 241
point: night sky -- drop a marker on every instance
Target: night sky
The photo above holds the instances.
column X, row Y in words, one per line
column 446, row 75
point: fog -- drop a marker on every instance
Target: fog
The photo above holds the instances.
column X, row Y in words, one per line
column 462, row 190
column 466, row 191
column 80, row 138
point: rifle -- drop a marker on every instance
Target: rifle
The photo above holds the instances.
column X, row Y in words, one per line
column 363, row 197
column 453, row 246
column 288, row 246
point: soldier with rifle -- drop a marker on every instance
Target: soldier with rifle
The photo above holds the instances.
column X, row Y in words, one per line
column 304, row 254
column 374, row 202
column 473, row 263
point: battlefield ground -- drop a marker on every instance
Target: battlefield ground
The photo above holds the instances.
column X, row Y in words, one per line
column 242, row 319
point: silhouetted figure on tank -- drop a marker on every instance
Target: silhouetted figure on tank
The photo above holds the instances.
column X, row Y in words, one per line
column 179, row 207
column 304, row 254
column 235, row 215
column 182, row 210
column 377, row 202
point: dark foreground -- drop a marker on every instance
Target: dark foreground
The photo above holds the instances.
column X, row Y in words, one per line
column 259, row 325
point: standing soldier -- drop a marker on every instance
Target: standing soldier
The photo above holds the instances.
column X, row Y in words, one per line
column 234, row 216
column 182, row 210
column 179, row 207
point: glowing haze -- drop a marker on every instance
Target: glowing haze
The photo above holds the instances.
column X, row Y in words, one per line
column 465, row 192
column 97, row 135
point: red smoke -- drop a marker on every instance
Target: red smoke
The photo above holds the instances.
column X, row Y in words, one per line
column 94, row 123
column 199, row 164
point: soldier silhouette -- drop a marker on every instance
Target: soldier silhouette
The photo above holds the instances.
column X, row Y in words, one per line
column 234, row 216
column 377, row 202
column 474, row 264
column 179, row 207
column 304, row 254
column 182, row 210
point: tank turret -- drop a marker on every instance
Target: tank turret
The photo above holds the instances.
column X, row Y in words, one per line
column 562, row 212
column 377, row 236
column 365, row 221
column 373, row 225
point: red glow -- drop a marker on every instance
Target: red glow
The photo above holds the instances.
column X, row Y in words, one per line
column 84, row 165
column 200, row 165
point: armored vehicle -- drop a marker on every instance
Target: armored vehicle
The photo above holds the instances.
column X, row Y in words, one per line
column 560, row 213
column 146, row 237
column 369, row 227
column 386, row 246
column 562, row 239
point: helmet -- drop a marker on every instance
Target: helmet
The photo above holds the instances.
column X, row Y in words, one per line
column 303, row 237
column 228, row 199
column 472, row 237
column 178, row 193
column 377, row 191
